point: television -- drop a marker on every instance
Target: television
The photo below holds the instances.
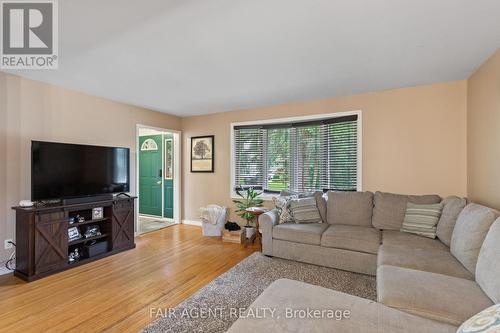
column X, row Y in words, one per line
column 65, row 171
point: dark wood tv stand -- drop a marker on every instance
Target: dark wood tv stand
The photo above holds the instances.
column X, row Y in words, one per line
column 42, row 244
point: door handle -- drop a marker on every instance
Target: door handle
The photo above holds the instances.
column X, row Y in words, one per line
column 158, row 182
column 159, row 173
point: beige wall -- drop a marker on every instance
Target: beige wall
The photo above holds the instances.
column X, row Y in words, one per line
column 483, row 132
column 414, row 141
column 33, row 110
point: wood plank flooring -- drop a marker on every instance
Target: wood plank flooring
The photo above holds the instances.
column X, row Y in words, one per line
column 115, row 294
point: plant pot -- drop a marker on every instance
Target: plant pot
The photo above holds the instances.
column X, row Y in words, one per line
column 249, row 231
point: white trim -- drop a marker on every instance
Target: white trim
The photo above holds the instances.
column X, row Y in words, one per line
column 360, row 150
column 192, row 222
column 177, row 170
column 4, row 270
column 359, row 113
column 177, row 176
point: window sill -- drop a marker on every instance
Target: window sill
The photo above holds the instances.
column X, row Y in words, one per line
column 265, row 196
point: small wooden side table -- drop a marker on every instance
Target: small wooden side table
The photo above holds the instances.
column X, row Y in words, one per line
column 256, row 212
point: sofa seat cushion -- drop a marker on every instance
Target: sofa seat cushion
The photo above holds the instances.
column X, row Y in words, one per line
column 411, row 241
column 442, row 262
column 365, row 316
column 308, row 233
column 435, row 296
column 352, row 208
column 351, row 237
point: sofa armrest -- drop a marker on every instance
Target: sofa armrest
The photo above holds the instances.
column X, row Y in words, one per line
column 266, row 223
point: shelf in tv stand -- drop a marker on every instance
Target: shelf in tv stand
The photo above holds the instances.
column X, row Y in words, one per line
column 83, row 240
column 77, row 224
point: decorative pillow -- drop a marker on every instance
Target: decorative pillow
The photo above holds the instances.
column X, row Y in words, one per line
column 304, row 210
column 486, row 321
column 421, row 219
column 452, row 206
column 282, row 204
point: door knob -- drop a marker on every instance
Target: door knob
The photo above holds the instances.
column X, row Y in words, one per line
column 158, row 182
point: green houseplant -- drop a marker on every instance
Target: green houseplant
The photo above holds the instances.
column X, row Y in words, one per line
column 249, row 198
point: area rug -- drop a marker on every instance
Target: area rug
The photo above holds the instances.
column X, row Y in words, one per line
column 241, row 285
column 147, row 224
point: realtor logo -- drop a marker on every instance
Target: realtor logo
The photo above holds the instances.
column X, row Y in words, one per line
column 29, row 34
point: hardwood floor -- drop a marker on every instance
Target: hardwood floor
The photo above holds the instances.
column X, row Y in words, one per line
column 115, row 294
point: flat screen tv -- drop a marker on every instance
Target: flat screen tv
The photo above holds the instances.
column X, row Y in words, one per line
column 63, row 171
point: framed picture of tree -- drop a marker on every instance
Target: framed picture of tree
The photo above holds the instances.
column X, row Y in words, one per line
column 202, row 153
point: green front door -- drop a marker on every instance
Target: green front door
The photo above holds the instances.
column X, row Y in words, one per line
column 150, row 174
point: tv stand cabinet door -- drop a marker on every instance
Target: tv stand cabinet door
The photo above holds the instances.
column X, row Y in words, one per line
column 51, row 242
column 122, row 226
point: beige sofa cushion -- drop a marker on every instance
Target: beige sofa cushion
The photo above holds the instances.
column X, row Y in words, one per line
column 488, row 263
column 442, row 262
column 321, row 204
column 435, row 296
column 352, row 237
column 389, row 209
column 452, row 206
column 347, row 260
column 469, row 233
column 352, row 208
column 309, row 233
column 365, row 316
column 411, row 241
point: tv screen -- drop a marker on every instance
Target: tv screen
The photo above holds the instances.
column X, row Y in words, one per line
column 60, row 170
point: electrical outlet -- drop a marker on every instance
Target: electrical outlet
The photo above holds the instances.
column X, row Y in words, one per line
column 7, row 244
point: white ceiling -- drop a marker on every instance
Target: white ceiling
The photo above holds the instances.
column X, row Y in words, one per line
column 188, row 57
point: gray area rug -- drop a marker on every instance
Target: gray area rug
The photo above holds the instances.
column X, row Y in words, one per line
column 241, row 285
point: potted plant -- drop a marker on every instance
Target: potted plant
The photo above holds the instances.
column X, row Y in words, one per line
column 249, row 198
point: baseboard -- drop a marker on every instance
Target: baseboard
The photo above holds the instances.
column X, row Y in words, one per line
column 4, row 270
column 192, row 222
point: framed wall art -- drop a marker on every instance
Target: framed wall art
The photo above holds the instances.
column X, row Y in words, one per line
column 202, row 153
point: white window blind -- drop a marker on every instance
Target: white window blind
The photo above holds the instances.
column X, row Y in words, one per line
column 317, row 155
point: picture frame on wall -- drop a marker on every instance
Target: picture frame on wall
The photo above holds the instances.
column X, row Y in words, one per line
column 202, row 153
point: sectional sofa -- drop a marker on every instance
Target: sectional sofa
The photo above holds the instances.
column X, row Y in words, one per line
column 423, row 284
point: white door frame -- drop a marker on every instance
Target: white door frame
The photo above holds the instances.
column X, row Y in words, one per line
column 177, row 170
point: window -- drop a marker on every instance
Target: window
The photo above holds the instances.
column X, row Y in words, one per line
column 300, row 156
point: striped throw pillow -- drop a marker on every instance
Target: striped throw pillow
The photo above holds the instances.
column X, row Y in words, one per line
column 422, row 219
column 304, row 210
